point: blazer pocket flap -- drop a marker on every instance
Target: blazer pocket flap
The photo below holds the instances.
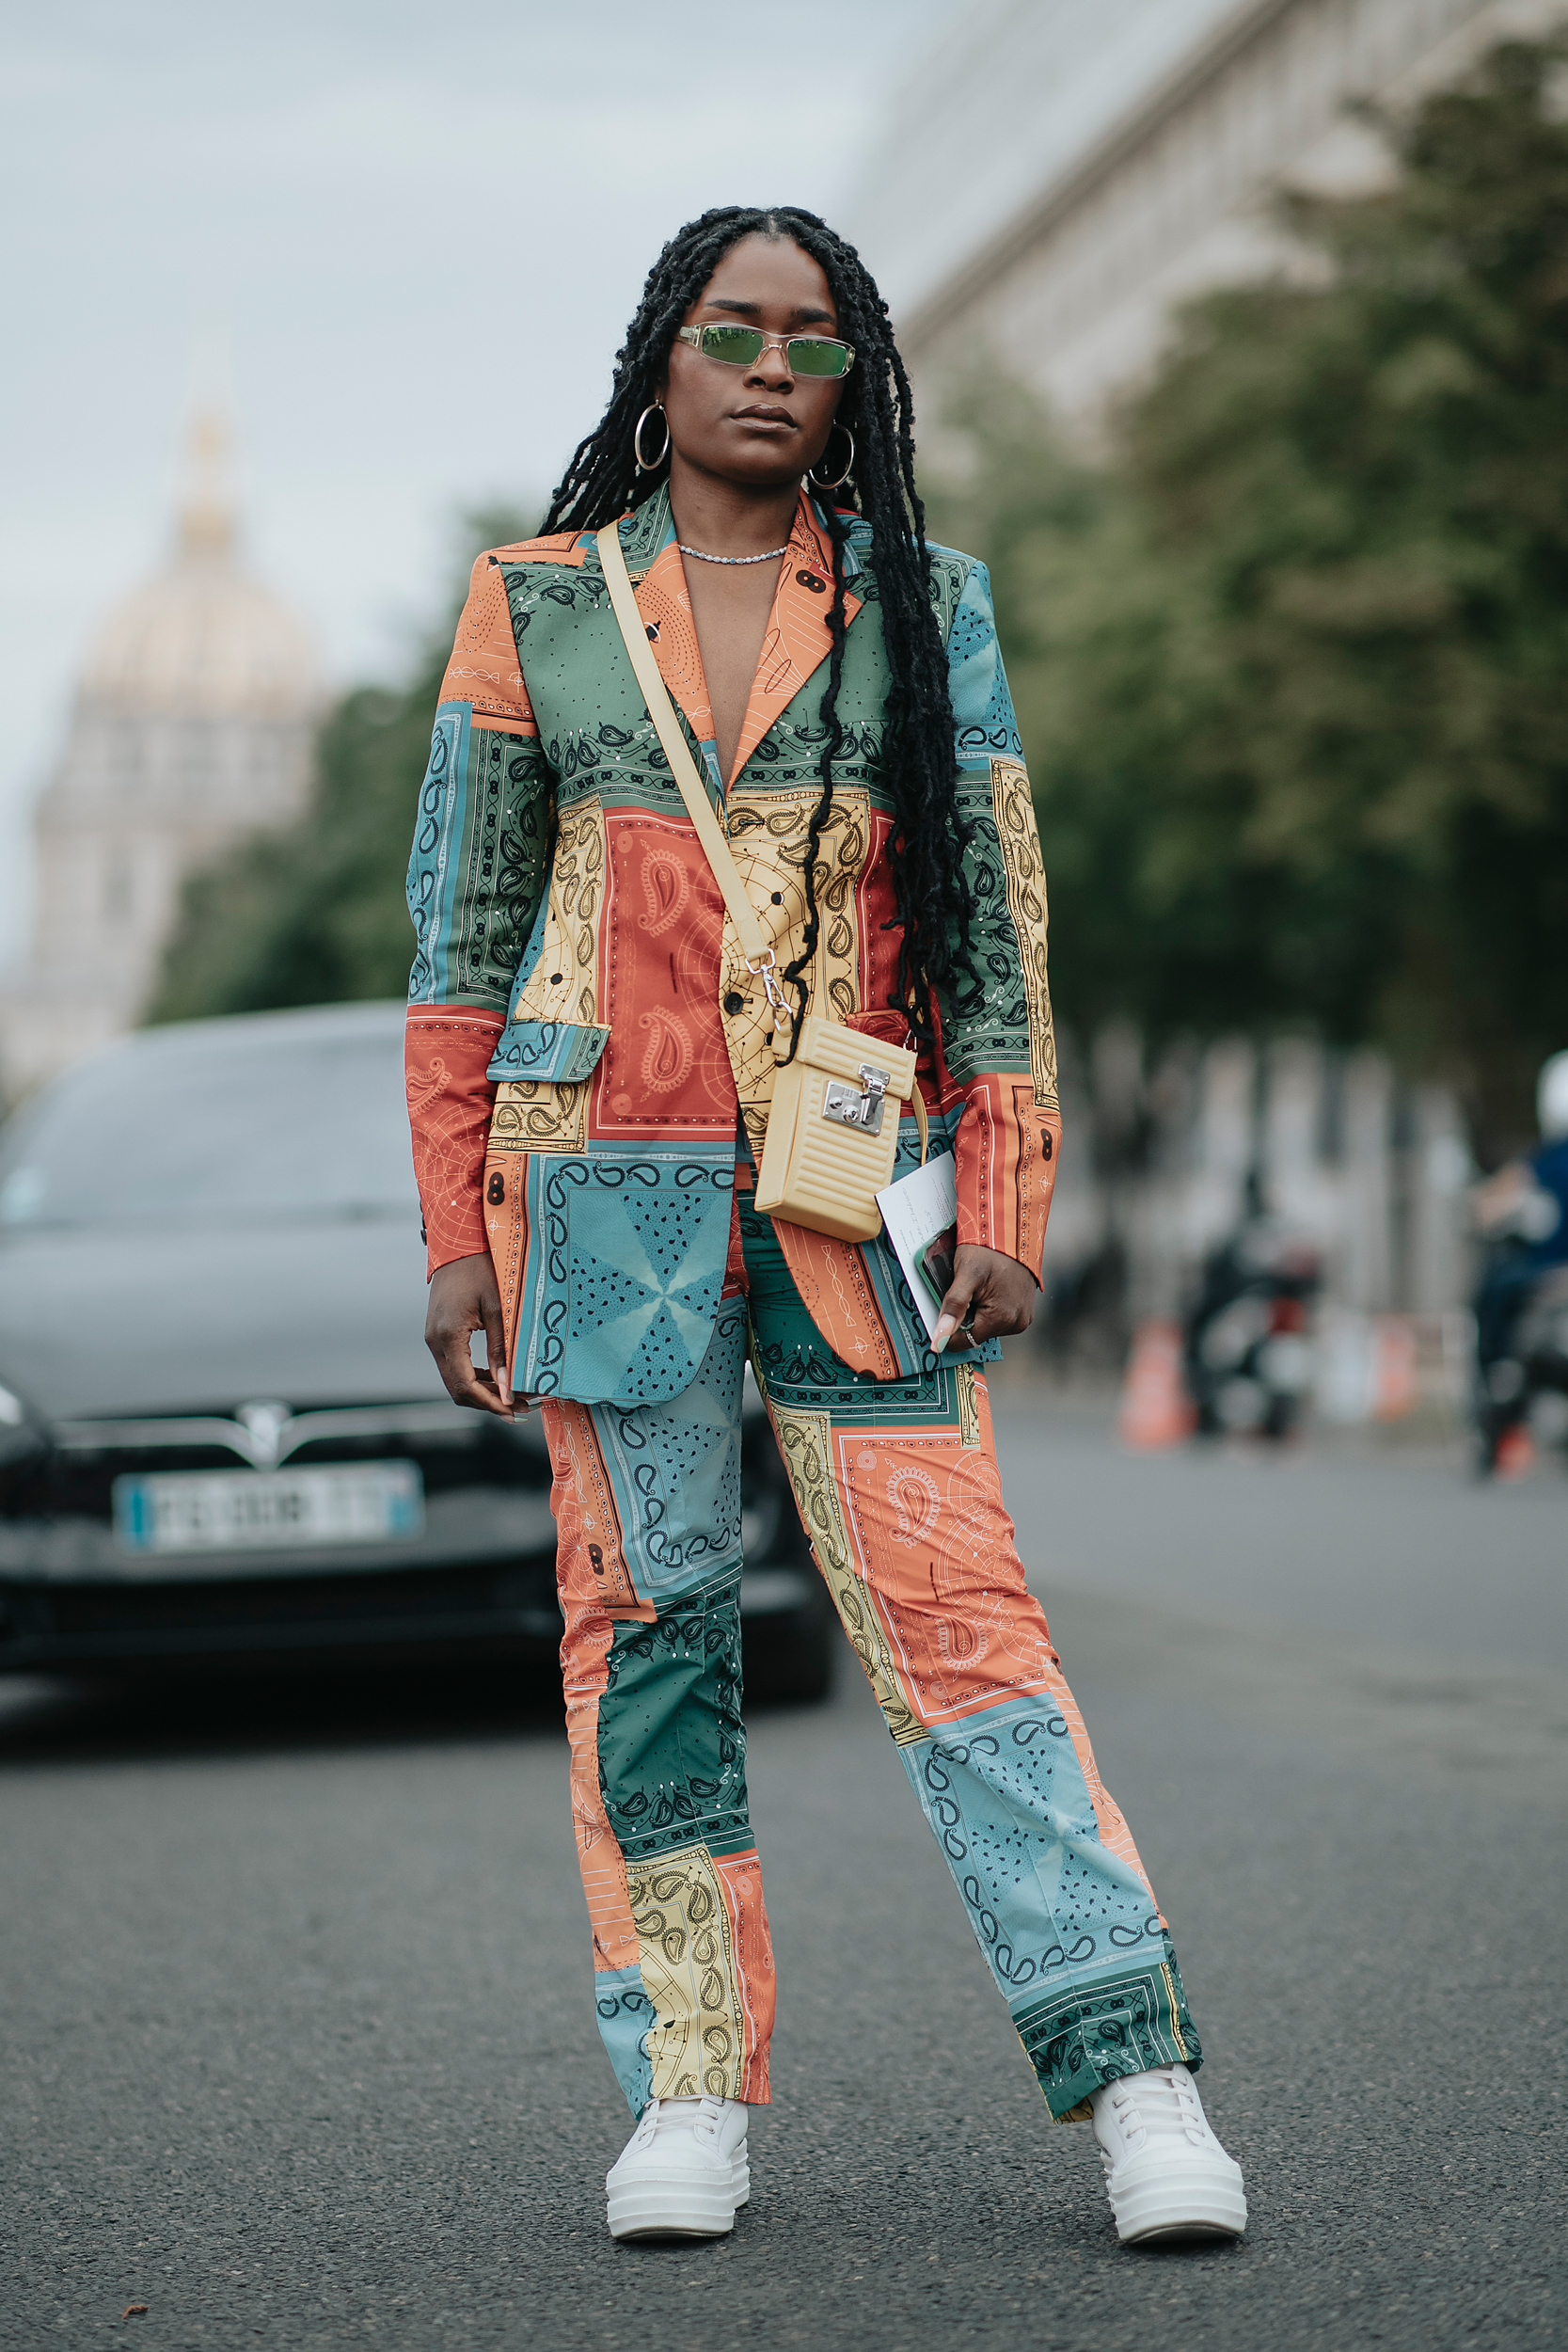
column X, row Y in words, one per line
column 561, row 1051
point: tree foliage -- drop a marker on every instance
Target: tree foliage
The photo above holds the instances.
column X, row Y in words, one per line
column 1292, row 670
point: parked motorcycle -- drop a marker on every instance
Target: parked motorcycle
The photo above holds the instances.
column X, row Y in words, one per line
column 1521, row 1382
column 1247, row 1349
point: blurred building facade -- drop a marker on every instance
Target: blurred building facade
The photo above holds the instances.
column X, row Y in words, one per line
column 1164, row 1158
column 1052, row 181
column 192, row 726
column 1053, row 177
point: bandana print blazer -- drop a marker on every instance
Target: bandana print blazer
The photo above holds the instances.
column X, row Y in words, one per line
column 583, row 1035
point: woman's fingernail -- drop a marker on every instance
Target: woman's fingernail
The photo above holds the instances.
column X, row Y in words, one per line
column 947, row 1326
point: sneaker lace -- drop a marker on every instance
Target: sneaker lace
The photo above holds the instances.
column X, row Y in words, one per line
column 699, row 2116
column 1164, row 2105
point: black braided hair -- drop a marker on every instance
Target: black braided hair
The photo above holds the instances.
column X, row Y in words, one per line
column 930, row 835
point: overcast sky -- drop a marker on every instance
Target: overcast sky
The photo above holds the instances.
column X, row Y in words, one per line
column 416, row 231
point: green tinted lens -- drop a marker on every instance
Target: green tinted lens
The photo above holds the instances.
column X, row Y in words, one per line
column 808, row 357
column 739, row 345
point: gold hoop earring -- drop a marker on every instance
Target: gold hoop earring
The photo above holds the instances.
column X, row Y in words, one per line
column 839, row 479
column 650, row 465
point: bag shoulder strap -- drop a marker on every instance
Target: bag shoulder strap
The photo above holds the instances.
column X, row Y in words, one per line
column 710, row 833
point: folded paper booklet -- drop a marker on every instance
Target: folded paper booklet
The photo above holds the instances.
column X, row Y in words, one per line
column 921, row 1214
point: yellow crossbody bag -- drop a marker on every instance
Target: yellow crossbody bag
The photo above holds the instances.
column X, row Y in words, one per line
column 833, row 1126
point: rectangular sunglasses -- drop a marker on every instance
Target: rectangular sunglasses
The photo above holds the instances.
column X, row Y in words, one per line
column 743, row 346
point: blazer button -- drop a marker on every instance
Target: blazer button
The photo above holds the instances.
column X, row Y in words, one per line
column 734, row 1002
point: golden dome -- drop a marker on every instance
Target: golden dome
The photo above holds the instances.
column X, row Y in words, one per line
column 202, row 639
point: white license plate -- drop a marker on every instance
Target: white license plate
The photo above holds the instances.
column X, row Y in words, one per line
column 268, row 1510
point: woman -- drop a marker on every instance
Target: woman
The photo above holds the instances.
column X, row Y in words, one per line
column 591, row 1059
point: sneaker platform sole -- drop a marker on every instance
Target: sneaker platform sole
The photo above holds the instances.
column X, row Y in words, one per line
column 1179, row 2209
column 679, row 2204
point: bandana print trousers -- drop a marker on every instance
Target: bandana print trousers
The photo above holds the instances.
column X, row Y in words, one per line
column 897, row 1483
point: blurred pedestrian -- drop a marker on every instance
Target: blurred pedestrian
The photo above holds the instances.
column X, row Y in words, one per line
column 1521, row 1212
column 593, row 1045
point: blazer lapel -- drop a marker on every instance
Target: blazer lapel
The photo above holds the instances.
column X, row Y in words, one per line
column 795, row 643
column 798, row 638
column 666, row 610
column 658, row 584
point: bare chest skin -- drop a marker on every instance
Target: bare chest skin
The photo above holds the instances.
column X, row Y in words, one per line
column 731, row 605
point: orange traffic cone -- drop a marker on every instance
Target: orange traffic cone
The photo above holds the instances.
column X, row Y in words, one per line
column 1516, row 1455
column 1395, row 1389
column 1156, row 1410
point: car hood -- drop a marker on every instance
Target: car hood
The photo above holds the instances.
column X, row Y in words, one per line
column 203, row 1320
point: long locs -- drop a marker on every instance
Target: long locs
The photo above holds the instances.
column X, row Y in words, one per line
column 832, row 742
column 919, row 761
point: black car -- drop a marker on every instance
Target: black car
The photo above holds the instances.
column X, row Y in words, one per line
column 220, row 1432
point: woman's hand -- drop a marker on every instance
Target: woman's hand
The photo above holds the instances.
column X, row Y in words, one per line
column 463, row 1300
column 1000, row 1293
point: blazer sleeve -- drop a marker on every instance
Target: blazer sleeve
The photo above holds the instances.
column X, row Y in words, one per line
column 475, row 878
column 998, row 1046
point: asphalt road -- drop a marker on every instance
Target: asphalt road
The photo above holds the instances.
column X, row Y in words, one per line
column 1392, row 1543
column 296, row 2048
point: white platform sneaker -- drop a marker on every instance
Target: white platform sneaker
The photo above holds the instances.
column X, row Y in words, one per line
column 1165, row 2173
column 683, row 2173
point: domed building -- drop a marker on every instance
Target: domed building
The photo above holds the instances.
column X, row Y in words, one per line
column 193, row 726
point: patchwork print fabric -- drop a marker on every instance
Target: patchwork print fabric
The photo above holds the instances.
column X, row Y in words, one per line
column 897, row 1483
column 563, row 908
column 584, row 1042
column 624, row 1278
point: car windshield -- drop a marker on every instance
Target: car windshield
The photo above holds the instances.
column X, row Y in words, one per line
column 209, row 1127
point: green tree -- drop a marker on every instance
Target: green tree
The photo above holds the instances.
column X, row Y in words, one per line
column 315, row 915
column 1293, row 671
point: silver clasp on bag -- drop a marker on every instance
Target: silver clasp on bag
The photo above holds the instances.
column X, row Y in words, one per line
column 766, row 971
column 841, row 1103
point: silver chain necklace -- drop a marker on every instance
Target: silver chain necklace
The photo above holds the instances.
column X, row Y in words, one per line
column 766, row 557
